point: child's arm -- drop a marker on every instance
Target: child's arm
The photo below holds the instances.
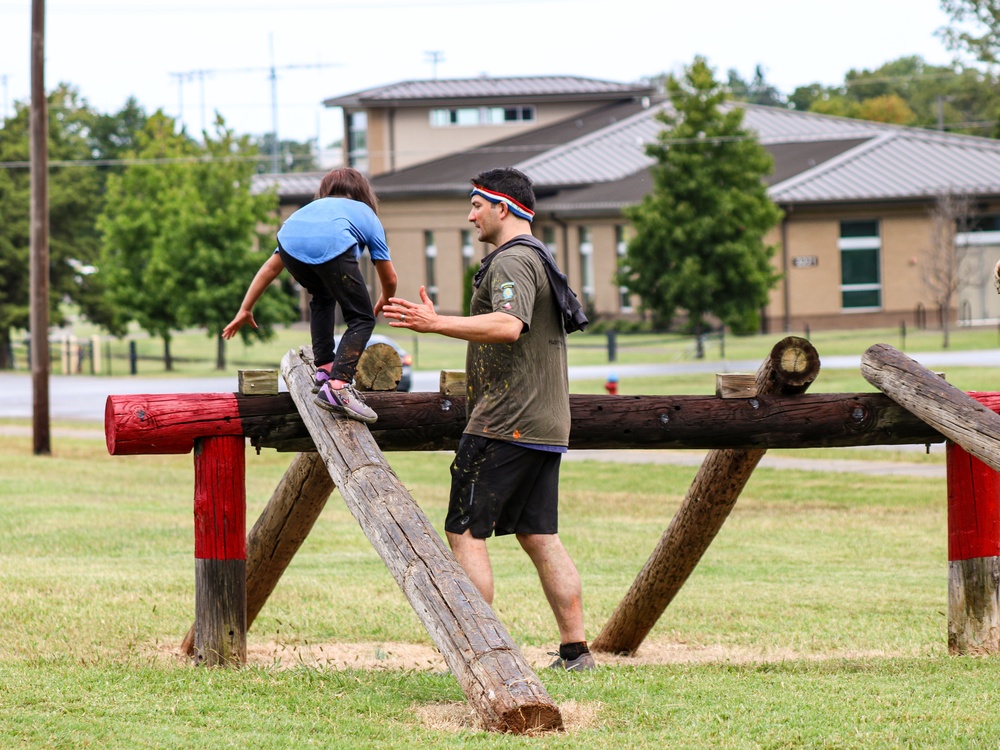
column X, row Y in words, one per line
column 261, row 281
column 387, row 280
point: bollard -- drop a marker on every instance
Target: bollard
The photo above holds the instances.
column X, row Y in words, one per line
column 612, row 345
column 133, row 358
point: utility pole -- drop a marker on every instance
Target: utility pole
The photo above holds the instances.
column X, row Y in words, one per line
column 190, row 75
column 39, row 242
column 3, row 80
column 434, row 57
column 272, row 75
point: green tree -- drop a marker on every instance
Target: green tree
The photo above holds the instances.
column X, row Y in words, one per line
column 221, row 229
column 74, row 203
column 698, row 248
column 180, row 229
column 975, row 28
column 139, row 254
column 755, row 91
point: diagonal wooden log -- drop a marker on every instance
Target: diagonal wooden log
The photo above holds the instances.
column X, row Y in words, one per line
column 496, row 679
column 283, row 526
column 791, row 367
column 953, row 413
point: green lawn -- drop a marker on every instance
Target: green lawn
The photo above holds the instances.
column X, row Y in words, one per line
column 817, row 618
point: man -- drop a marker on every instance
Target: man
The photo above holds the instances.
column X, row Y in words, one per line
column 505, row 477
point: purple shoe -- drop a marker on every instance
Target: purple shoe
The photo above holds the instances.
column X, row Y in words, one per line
column 345, row 401
column 321, row 377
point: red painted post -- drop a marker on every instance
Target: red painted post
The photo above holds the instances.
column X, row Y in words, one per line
column 220, row 551
column 973, row 554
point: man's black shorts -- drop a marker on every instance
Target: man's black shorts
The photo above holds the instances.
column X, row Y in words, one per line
column 500, row 488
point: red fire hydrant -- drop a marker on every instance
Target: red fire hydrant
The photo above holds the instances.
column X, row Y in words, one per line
column 612, row 385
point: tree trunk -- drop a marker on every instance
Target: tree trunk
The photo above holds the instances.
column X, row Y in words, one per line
column 791, row 367
column 220, row 353
column 168, row 360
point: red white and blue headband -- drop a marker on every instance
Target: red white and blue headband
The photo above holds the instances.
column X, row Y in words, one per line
column 494, row 197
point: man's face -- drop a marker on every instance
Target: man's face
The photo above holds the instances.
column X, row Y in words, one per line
column 486, row 217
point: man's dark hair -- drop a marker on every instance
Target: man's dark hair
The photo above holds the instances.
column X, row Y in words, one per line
column 509, row 181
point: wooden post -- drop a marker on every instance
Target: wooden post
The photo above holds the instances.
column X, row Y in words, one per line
column 973, row 554
column 496, row 680
column 283, row 525
column 792, row 365
column 220, row 630
column 954, row 414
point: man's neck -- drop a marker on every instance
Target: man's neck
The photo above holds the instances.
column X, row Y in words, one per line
column 512, row 228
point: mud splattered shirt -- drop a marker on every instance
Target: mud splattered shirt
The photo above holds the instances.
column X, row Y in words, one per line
column 519, row 392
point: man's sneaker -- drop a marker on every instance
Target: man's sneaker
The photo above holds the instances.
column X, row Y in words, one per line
column 346, row 401
column 579, row 664
column 321, row 377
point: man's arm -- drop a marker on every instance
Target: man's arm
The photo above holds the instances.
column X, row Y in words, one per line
column 491, row 328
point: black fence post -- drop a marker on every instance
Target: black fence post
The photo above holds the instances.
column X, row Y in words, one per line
column 902, row 335
column 133, row 358
column 612, row 345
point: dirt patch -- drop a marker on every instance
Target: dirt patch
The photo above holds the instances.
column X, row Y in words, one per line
column 426, row 658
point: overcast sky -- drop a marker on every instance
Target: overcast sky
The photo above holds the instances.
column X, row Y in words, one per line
column 323, row 48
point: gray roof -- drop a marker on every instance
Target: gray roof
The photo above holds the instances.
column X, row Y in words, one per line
column 489, row 90
column 596, row 163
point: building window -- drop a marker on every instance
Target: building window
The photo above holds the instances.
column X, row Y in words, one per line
column 468, row 116
column 430, row 266
column 468, row 251
column 357, row 140
column 621, row 247
column 586, row 263
column 860, row 265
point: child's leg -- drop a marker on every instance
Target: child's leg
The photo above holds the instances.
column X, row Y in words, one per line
column 322, row 307
column 356, row 306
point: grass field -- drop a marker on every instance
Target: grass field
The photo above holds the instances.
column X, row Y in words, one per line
column 816, row 619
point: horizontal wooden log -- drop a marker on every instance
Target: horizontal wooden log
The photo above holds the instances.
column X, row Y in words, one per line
column 169, row 423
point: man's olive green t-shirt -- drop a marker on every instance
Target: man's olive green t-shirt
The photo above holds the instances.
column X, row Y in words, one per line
column 519, row 392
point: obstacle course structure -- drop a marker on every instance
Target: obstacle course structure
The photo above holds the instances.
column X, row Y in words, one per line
column 235, row 573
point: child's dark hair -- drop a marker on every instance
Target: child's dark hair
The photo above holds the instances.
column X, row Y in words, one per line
column 509, row 181
column 347, row 183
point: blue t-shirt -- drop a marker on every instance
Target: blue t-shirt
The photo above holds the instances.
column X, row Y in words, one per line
column 328, row 227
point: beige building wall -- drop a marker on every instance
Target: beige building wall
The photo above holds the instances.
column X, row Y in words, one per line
column 403, row 136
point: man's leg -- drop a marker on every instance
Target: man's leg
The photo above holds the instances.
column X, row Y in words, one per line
column 560, row 582
column 472, row 555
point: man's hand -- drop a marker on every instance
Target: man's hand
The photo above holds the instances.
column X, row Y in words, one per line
column 419, row 317
column 242, row 318
column 996, row 276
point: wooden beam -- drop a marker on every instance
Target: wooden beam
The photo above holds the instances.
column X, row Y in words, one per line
column 496, row 680
column 956, row 415
column 792, row 365
column 169, row 423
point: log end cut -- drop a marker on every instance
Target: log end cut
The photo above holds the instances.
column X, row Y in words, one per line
column 531, row 719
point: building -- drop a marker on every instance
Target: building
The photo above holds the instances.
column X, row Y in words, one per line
column 854, row 247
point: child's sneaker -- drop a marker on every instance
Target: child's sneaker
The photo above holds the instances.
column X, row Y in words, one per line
column 321, row 377
column 345, row 401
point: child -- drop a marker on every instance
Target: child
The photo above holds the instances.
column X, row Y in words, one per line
column 320, row 245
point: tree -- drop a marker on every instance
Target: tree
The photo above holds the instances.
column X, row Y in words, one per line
column 975, row 29
column 222, row 226
column 180, row 229
column 74, row 203
column 698, row 246
column 944, row 269
column 293, row 156
column 755, row 91
column 138, row 254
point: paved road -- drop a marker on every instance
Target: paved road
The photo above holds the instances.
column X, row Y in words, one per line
column 82, row 398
